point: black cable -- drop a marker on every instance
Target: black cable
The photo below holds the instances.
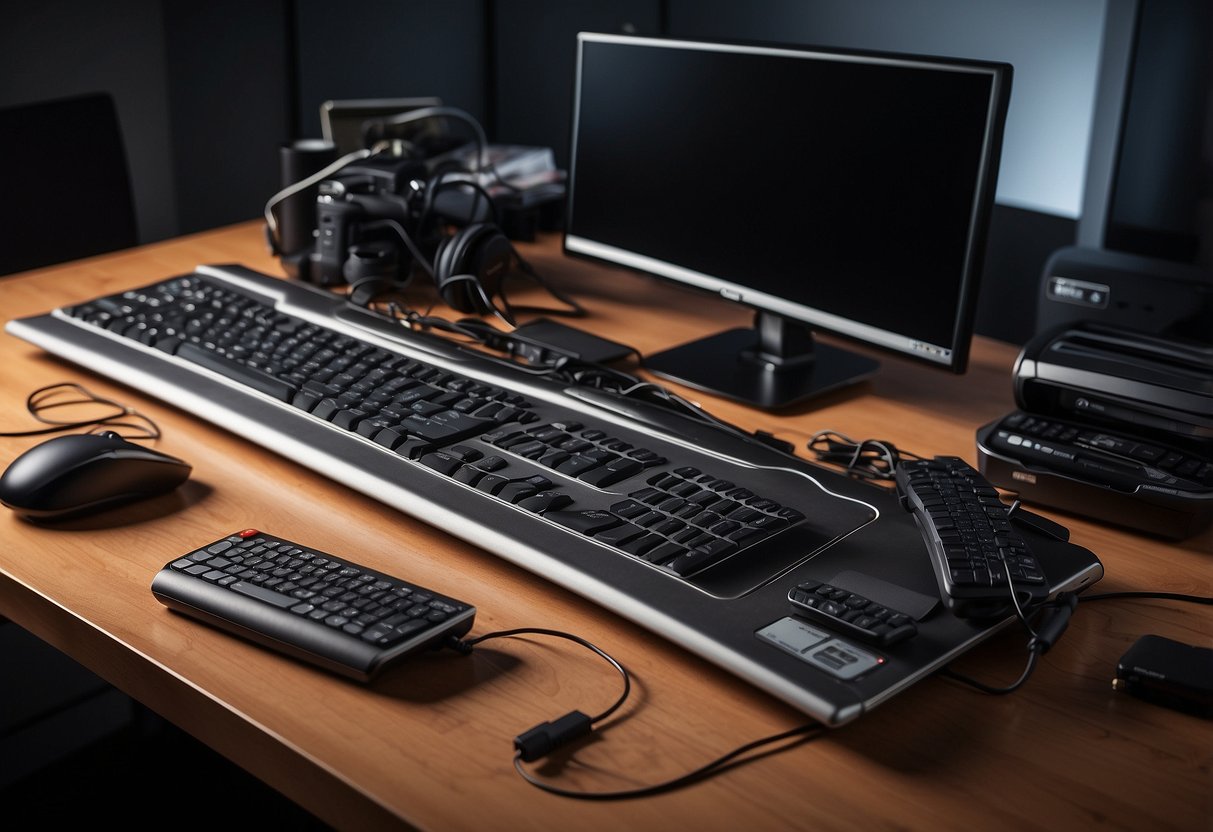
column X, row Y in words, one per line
column 1002, row 555
column 1033, row 655
column 575, row 309
column 716, row 766
column 49, row 398
column 432, row 191
column 464, row 647
column 1036, row 648
column 869, row 459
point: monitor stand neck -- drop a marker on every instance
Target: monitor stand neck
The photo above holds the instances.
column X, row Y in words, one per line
column 775, row 363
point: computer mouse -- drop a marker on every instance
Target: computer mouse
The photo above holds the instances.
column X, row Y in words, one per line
column 73, row 475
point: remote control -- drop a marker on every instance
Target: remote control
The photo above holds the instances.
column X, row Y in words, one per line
column 311, row 605
column 973, row 547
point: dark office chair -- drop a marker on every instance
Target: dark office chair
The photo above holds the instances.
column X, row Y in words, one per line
column 67, row 191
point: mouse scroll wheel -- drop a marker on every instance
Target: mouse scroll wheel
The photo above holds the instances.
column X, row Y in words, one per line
column 109, row 434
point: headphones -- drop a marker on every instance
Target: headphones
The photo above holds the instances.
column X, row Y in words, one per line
column 470, row 266
column 469, row 269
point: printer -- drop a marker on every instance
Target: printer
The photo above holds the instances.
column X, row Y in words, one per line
column 1113, row 422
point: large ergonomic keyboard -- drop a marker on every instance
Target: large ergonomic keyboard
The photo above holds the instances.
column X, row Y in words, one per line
column 689, row 528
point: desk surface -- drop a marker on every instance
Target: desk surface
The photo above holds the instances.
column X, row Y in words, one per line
column 430, row 745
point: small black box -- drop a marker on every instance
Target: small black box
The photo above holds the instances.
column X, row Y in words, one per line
column 1168, row 673
column 544, row 339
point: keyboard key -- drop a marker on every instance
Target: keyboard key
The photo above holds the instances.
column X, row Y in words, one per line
column 588, row 522
column 238, row 372
column 263, row 594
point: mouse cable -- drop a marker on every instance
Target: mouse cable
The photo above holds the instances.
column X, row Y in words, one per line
column 546, row 737
column 52, row 396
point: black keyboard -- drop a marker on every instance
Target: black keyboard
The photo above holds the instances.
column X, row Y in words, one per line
column 977, row 553
column 309, row 604
column 678, row 517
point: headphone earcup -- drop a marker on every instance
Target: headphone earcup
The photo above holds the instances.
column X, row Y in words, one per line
column 454, row 272
column 490, row 257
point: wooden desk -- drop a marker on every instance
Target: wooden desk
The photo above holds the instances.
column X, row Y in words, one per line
column 430, row 745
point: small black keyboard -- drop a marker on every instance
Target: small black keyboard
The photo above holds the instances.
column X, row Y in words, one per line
column 309, row 604
column 851, row 613
column 978, row 556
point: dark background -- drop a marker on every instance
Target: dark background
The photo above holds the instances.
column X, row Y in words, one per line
column 206, row 92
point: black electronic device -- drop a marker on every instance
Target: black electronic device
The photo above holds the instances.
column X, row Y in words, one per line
column 544, row 341
column 1112, row 423
column 69, row 476
column 980, row 559
column 1169, row 673
column 327, row 610
column 1122, row 379
column 842, row 191
column 1140, row 294
column 1114, row 476
column 851, row 613
column 376, row 206
column 383, row 214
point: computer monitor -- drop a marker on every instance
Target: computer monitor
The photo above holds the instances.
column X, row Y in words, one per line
column 842, row 191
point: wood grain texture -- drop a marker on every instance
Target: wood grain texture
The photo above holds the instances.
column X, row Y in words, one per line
column 429, row 745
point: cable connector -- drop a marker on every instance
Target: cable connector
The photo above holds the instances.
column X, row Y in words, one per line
column 773, row 441
column 1053, row 622
column 458, row 645
column 546, row 737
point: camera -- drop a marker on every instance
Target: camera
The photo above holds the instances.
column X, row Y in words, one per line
column 375, row 216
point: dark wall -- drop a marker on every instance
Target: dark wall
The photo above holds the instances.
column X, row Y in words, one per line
column 226, row 65
column 1165, row 172
column 58, row 50
column 534, row 52
column 389, row 49
column 206, row 92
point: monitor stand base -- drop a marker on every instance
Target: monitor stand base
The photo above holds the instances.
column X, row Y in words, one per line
column 733, row 365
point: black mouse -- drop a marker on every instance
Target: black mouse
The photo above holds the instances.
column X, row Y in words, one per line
column 72, row 475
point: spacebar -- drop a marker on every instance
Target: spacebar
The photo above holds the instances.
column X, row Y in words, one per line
column 238, row 372
column 263, row 594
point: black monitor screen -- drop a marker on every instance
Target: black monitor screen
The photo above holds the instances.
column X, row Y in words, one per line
column 846, row 191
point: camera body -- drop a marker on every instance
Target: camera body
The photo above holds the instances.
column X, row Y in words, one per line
column 362, row 214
